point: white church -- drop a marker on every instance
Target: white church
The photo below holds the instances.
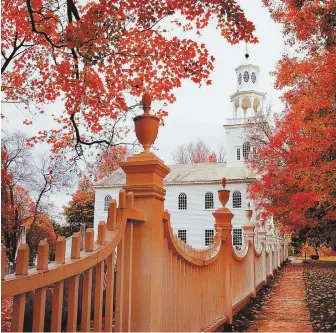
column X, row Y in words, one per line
column 191, row 189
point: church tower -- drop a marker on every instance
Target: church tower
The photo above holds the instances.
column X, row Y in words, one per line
column 247, row 102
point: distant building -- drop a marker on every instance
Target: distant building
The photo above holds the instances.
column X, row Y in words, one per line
column 192, row 188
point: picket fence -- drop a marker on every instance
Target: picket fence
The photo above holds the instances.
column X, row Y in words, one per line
column 137, row 275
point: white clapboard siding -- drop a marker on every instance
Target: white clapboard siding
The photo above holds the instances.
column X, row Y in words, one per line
column 195, row 219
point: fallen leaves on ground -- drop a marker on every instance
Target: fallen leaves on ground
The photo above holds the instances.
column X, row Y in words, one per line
column 320, row 283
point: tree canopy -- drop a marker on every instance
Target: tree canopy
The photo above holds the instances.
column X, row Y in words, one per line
column 296, row 158
column 98, row 55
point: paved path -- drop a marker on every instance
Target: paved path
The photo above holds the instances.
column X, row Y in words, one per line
column 285, row 310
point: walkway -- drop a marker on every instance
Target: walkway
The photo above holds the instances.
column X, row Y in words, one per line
column 285, row 310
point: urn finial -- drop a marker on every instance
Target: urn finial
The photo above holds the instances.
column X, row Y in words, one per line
column 249, row 212
column 146, row 125
column 223, row 194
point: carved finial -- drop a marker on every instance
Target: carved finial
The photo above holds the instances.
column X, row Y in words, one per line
column 223, row 194
column 223, row 182
column 146, row 125
column 146, row 101
column 249, row 212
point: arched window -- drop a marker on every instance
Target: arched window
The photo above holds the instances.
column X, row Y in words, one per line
column 182, row 201
column 246, row 150
column 209, row 200
column 236, row 199
column 107, row 201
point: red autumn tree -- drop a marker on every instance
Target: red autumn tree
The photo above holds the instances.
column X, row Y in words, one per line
column 198, row 152
column 41, row 228
column 81, row 207
column 96, row 56
column 108, row 162
column 22, row 196
column 296, row 158
column 16, row 203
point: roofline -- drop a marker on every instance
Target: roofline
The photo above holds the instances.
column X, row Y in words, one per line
column 248, row 91
column 210, row 182
column 247, row 65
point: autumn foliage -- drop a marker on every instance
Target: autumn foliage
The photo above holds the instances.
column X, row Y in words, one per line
column 81, row 207
column 108, row 162
column 297, row 164
column 98, row 55
column 17, row 210
column 196, row 152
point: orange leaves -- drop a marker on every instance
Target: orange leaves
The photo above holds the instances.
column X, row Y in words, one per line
column 109, row 161
column 110, row 53
column 310, row 22
column 298, row 165
column 6, row 313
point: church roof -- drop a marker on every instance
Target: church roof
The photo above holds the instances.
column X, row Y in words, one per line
column 183, row 174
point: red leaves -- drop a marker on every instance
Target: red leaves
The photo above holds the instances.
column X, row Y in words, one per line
column 6, row 313
column 298, row 165
column 109, row 161
column 112, row 52
column 212, row 158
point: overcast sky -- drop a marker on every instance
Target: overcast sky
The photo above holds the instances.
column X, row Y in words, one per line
column 199, row 112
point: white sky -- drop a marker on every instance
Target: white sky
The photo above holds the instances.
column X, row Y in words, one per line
column 198, row 112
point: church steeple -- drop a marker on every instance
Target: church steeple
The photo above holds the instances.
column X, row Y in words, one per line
column 247, row 102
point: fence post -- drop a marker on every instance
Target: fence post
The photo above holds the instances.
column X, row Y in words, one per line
column 223, row 226
column 144, row 177
column 249, row 232
column 262, row 237
column 269, row 239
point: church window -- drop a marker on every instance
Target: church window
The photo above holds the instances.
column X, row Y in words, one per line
column 237, row 238
column 209, row 200
column 246, row 76
column 182, row 201
column 238, row 154
column 240, row 78
column 246, row 150
column 182, row 235
column 209, row 237
column 236, row 199
column 253, row 77
column 107, row 201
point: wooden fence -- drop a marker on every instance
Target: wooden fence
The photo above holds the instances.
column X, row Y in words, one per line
column 153, row 281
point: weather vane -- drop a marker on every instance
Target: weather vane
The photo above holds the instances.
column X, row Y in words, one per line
column 246, row 54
